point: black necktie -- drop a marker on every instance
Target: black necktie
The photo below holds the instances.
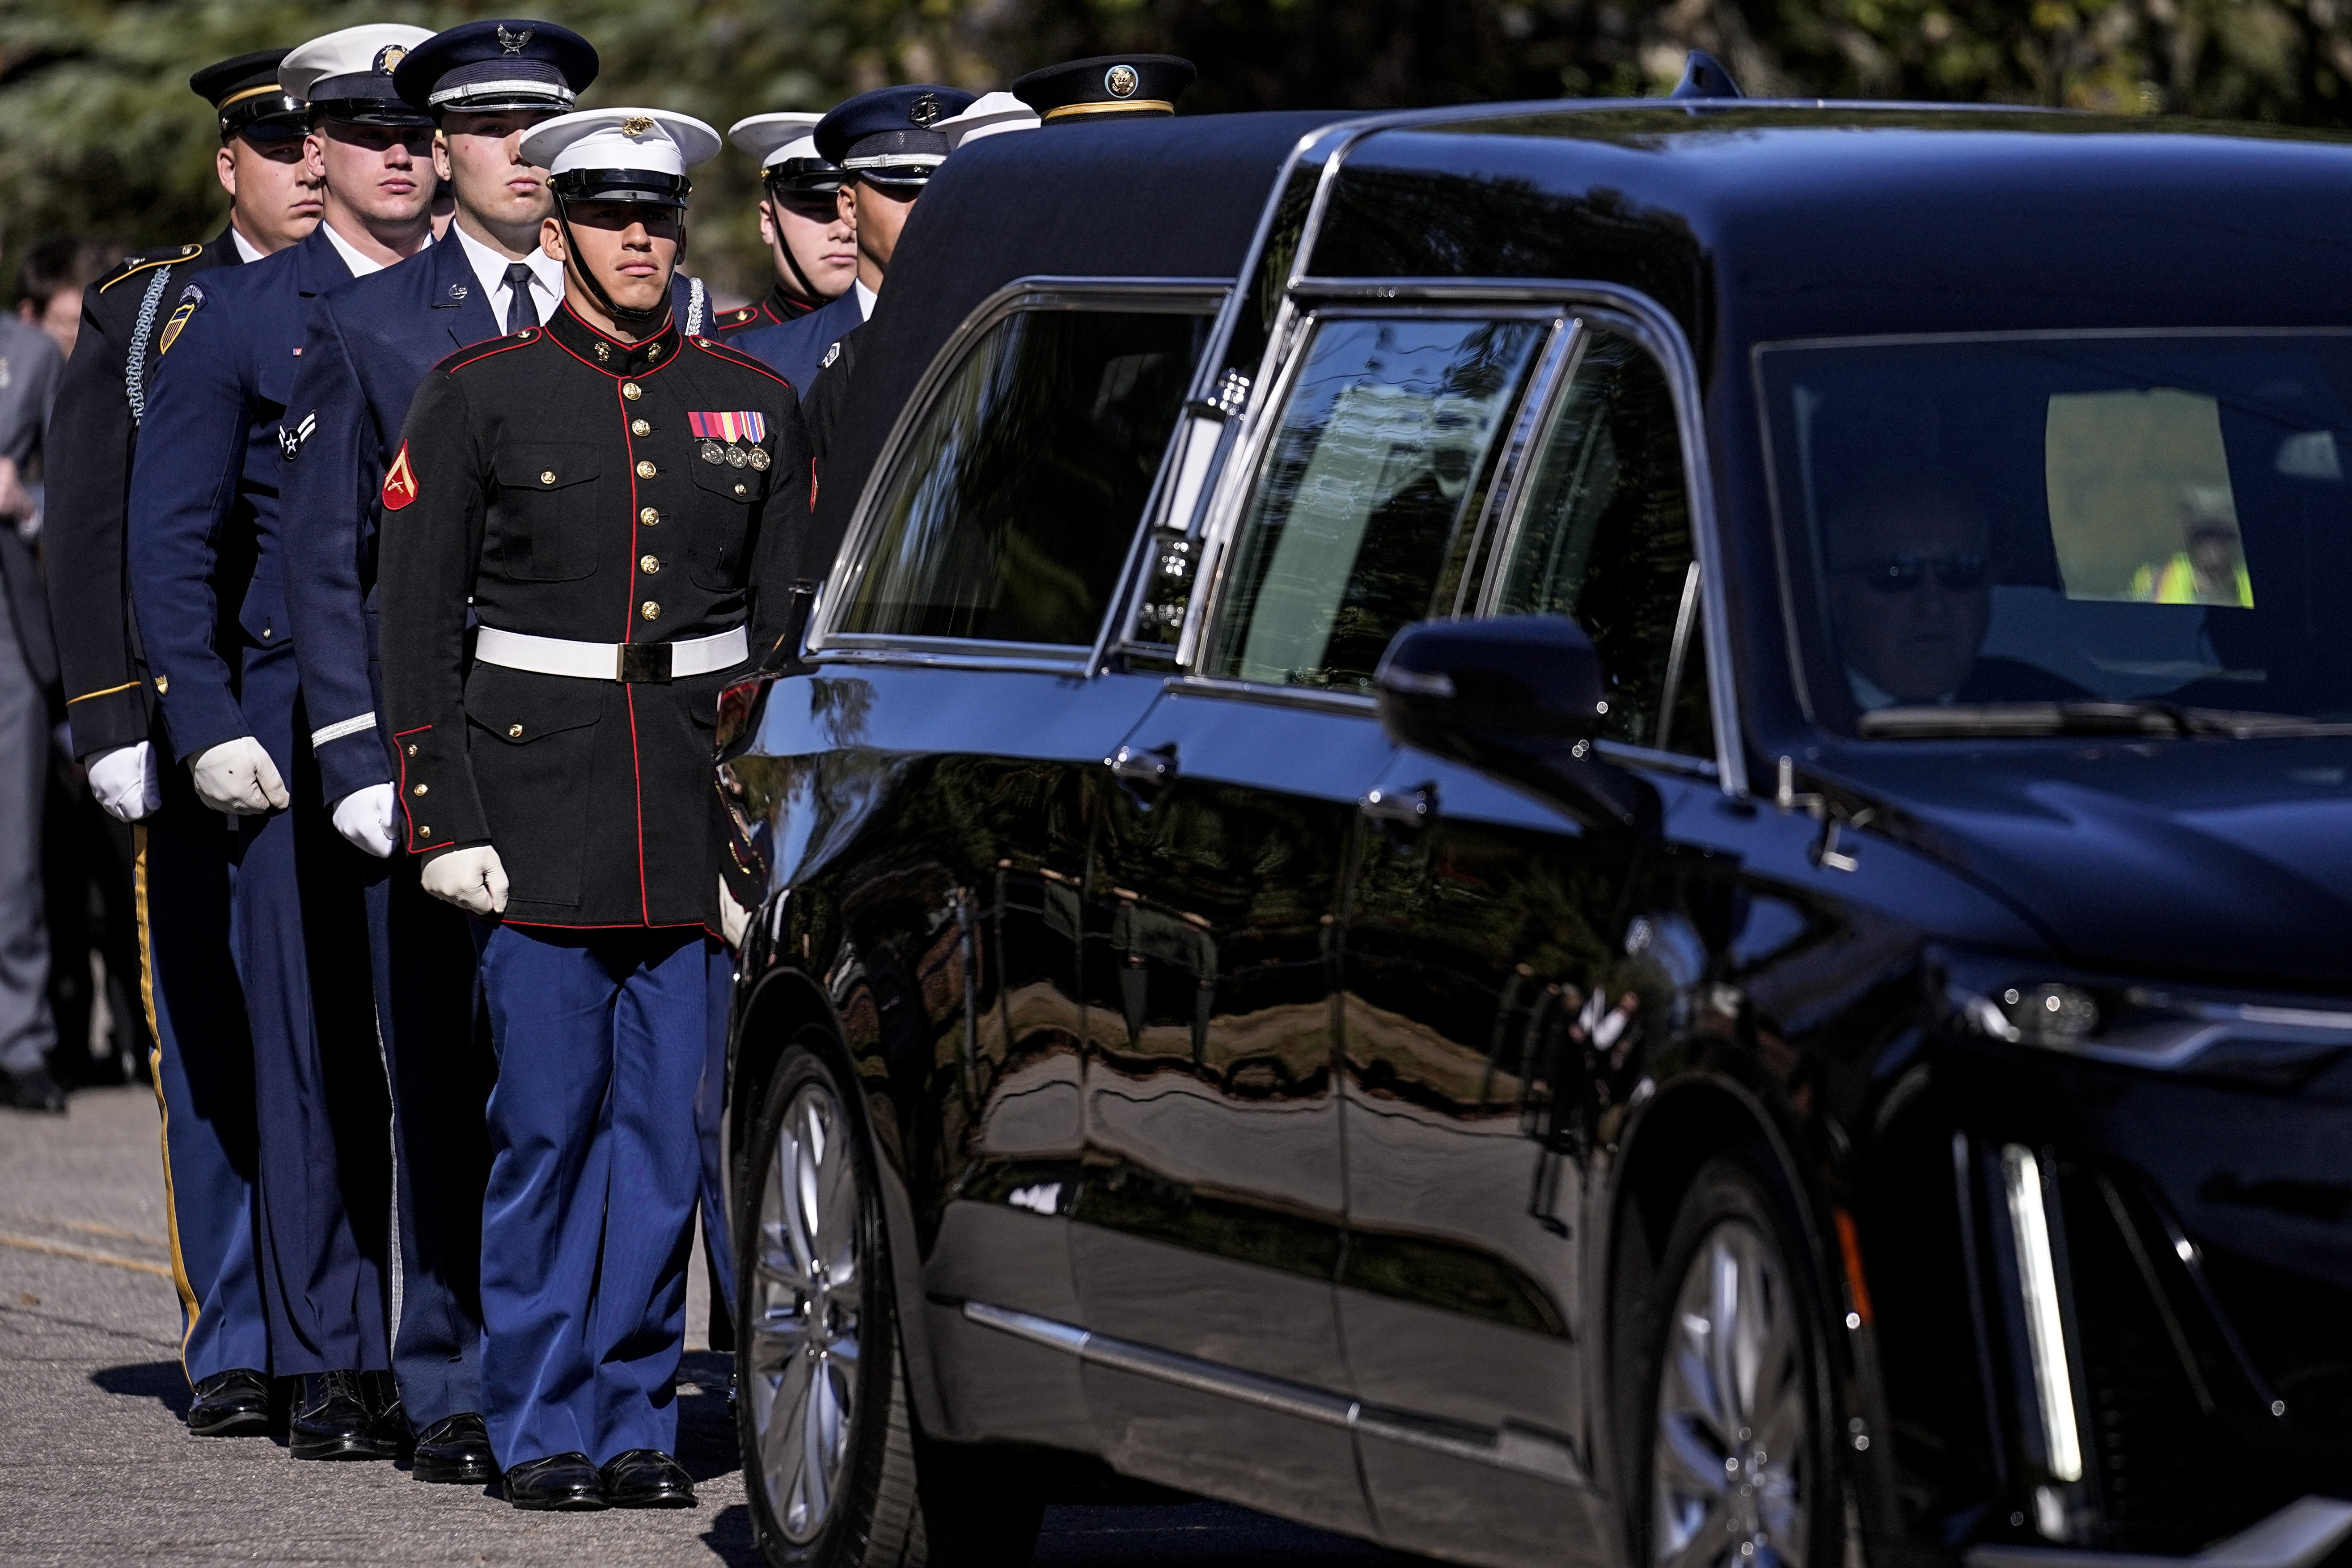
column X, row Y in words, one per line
column 522, row 311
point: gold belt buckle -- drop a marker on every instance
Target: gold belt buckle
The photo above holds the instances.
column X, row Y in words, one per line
column 643, row 662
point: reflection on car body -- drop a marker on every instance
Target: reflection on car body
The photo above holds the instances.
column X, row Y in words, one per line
column 1611, row 832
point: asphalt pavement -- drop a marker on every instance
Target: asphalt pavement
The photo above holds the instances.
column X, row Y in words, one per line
column 96, row 1465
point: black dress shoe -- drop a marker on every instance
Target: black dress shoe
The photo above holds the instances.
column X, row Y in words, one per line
column 381, row 1394
column 36, row 1091
column 231, row 1404
column 647, row 1477
column 332, row 1421
column 565, row 1482
column 456, row 1450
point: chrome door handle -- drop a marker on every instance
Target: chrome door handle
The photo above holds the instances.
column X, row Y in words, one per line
column 1413, row 807
column 1143, row 773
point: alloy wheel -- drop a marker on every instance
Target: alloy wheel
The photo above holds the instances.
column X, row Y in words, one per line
column 1728, row 1477
column 806, row 1313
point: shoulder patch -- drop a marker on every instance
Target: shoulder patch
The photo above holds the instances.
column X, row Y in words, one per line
column 400, row 482
column 138, row 264
column 192, row 299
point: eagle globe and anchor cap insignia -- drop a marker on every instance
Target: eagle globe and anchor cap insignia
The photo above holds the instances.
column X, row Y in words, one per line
column 637, row 125
column 400, row 483
column 1120, row 81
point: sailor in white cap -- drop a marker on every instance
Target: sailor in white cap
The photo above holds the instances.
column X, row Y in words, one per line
column 556, row 784
column 812, row 243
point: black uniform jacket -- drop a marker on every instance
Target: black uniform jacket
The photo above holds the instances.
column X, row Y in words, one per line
column 110, row 700
column 554, row 481
column 767, row 312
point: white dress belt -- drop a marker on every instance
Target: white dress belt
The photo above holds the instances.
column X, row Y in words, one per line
column 654, row 661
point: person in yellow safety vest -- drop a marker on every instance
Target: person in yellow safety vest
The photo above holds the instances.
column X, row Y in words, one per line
column 2209, row 571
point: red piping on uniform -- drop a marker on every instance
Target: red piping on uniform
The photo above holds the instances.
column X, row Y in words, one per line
column 475, row 355
column 605, row 369
column 401, row 754
column 736, row 356
column 636, row 768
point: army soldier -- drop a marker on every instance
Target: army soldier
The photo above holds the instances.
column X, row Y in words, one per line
column 368, row 344
column 560, row 787
column 885, row 143
column 203, row 1060
column 208, row 572
column 813, row 246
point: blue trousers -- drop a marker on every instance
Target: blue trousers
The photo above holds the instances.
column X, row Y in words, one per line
column 422, row 954
column 594, row 1171
column 709, row 1117
column 301, row 936
column 203, row 1061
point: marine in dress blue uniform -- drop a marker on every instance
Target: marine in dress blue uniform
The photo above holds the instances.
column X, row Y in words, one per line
column 204, row 535
column 367, row 345
column 201, row 1057
column 609, row 508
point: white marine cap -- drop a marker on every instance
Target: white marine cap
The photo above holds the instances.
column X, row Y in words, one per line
column 654, row 144
column 991, row 114
column 774, row 138
column 369, row 48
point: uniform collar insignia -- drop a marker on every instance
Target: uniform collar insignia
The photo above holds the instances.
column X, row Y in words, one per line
column 614, row 358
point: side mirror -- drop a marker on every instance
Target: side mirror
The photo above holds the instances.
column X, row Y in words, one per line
column 1521, row 697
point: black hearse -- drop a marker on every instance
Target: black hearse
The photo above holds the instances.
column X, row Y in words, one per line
column 1606, row 834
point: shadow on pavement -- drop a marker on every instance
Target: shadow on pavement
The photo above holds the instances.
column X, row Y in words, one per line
column 706, row 1429
column 1143, row 1536
column 162, row 1381
column 730, row 1537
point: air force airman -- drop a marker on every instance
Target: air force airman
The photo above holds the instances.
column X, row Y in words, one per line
column 369, row 343
column 608, row 498
column 204, row 536
column 202, row 1059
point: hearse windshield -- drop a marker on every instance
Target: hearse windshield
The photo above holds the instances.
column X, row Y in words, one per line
column 2058, row 534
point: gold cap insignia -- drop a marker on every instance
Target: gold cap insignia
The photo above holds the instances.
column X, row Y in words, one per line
column 388, row 57
column 637, row 125
column 1120, row 81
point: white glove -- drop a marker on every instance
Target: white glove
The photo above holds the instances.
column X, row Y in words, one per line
column 366, row 816
column 237, row 777
column 126, row 782
column 734, row 920
column 470, row 878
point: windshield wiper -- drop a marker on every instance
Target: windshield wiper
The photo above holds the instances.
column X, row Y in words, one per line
column 2140, row 717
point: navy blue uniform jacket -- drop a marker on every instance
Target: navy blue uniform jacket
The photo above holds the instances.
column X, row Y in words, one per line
column 92, row 435
column 204, row 522
column 367, row 348
column 795, row 348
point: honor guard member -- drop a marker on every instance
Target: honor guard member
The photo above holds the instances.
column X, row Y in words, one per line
column 209, row 574
column 992, row 114
column 605, row 498
column 812, row 244
column 367, row 345
column 886, row 143
column 1105, row 88
column 203, row 1060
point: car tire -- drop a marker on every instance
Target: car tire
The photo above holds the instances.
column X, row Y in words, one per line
column 836, row 1472
column 1729, row 1434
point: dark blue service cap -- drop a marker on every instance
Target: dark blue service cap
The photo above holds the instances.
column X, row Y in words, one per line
column 1114, row 87
column 245, row 93
column 486, row 64
column 887, row 135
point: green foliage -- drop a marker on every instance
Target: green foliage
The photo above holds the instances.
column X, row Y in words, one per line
column 99, row 134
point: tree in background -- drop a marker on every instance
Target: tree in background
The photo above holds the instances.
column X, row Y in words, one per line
column 100, row 135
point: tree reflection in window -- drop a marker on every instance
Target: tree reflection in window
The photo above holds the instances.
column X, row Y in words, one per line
column 1011, row 512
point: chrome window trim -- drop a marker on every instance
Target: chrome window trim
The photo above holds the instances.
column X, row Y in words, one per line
column 1315, row 697
column 1511, row 504
column 1177, row 296
column 1633, row 313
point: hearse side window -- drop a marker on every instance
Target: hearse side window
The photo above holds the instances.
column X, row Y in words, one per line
column 1377, row 468
column 1603, row 537
column 1011, row 513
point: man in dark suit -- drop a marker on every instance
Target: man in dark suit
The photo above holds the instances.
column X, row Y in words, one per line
column 205, row 534
column 202, row 1059
column 367, row 345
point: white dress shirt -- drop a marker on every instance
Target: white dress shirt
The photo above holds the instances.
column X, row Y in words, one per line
column 546, row 276
column 360, row 265
column 246, row 249
column 866, row 298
